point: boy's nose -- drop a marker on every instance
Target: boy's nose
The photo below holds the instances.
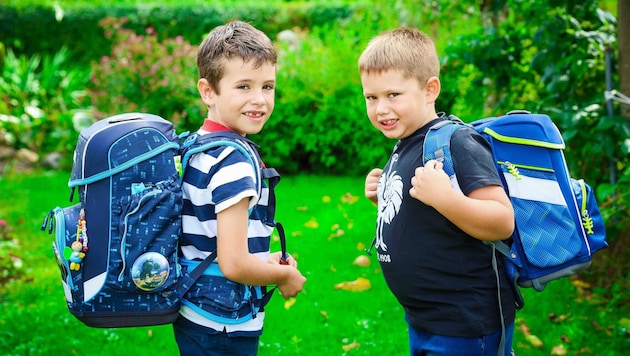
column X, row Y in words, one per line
column 382, row 108
column 258, row 97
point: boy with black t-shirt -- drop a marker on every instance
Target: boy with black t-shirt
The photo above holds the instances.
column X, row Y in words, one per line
column 429, row 236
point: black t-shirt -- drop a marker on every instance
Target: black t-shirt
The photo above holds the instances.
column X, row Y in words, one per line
column 441, row 276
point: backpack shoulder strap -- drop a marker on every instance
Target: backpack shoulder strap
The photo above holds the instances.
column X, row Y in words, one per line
column 437, row 142
column 196, row 143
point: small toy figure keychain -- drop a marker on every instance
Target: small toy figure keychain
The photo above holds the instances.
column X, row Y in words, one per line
column 79, row 247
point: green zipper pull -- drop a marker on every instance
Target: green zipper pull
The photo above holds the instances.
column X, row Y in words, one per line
column 512, row 170
column 587, row 221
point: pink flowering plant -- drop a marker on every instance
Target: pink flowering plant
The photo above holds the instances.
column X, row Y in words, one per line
column 147, row 74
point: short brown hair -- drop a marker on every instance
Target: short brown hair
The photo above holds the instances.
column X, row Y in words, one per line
column 406, row 49
column 234, row 39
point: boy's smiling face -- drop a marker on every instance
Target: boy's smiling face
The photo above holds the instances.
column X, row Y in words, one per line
column 398, row 105
column 245, row 97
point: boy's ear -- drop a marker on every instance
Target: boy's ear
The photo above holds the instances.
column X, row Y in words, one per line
column 205, row 91
column 433, row 89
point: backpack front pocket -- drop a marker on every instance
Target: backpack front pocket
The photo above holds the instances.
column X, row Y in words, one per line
column 149, row 225
column 542, row 215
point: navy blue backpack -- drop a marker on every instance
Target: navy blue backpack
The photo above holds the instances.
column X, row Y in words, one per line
column 117, row 249
column 558, row 223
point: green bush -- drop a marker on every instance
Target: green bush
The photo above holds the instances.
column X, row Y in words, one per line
column 36, row 29
column 42, row 102
column 10, row 260
column 147, row 75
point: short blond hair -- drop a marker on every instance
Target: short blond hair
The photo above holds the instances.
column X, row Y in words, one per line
column 407, row 49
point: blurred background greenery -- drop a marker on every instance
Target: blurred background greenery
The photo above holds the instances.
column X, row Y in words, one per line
column 66, row 64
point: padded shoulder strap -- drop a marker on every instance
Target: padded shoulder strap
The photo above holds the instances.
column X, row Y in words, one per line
column 437, row 143
column 196, row 143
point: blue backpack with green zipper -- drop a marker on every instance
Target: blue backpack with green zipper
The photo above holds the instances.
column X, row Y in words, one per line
column 558, row 225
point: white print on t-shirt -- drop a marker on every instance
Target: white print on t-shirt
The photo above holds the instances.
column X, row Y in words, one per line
column 390, row 197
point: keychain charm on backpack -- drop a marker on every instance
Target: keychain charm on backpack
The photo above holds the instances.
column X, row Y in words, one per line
column 76, row 252
column 82, row 232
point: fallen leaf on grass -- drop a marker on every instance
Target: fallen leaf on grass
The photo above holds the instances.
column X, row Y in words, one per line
column 350, row 346
column 336, row 234
column 558, row 350
column 360, row 246
column 349, row 198
column 302, row 208
column 599, row 327
column 359, row 285
column 362, row 261
column 311, row 224
column 326, row 199
column 289, row 303
column 557, row 318
column 532, row 339
column 578, row 283
column 324, row 314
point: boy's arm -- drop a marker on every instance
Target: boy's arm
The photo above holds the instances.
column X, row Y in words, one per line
column 238, row 265
column 486, row 213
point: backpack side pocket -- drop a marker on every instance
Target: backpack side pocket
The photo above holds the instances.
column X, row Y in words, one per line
column 62, row 224
column 592, row 221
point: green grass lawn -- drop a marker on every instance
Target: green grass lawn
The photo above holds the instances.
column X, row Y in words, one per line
column 328, row 224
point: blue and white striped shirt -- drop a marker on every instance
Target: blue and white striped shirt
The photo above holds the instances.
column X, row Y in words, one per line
column 215, row 180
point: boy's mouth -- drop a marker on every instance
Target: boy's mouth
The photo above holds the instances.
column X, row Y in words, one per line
column 388, row 123
column 255, row 115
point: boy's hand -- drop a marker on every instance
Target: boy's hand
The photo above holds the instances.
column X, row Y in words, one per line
column 293, row 284
column 430, row 184
column 371, row 183
column 276, row 258
column 294, row 281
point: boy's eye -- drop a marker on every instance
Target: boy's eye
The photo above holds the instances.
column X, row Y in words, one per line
column 243, row 86
column 393, row 95
column 268, row 87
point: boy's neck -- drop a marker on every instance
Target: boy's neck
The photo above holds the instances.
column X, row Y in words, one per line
column 213, row 126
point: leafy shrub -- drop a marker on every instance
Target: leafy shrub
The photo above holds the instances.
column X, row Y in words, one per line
column 147, row 75
column 10, row 262
column 42, row 102
column 36, row 28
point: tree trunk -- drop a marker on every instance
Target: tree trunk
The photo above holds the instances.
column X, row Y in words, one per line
column 623, row 36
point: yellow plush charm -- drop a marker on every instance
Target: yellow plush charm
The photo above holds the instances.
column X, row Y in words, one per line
column 77, row 256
